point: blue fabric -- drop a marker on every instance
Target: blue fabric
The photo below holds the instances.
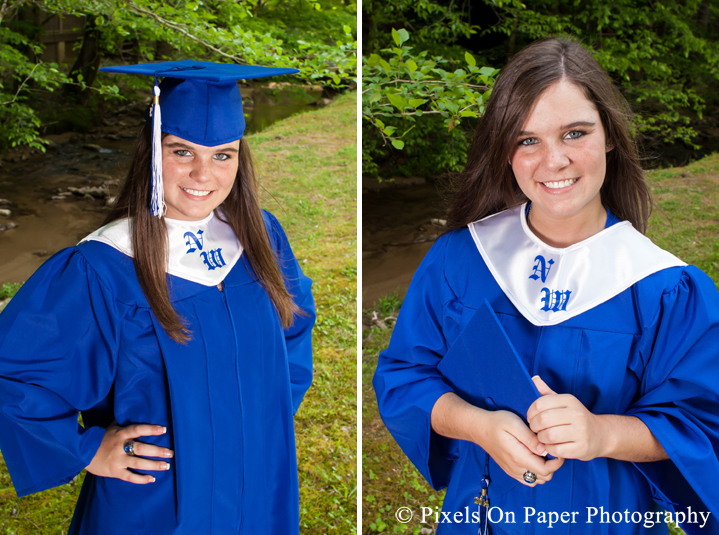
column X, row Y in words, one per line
column 652, row 352
column 199, row 100
column 79, row 336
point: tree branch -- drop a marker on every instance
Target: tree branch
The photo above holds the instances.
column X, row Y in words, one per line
column 184, row 32
column 5, row 9
column 21, row 86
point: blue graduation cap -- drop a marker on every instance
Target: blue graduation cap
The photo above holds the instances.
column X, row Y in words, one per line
column 200, row 102
column 484, row 368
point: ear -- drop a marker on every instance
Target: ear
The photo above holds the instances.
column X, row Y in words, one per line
column 609, row 146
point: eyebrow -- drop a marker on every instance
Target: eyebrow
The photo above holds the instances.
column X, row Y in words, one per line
column 565, row 127
column 179, row 145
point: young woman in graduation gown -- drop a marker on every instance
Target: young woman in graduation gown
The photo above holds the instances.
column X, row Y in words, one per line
column 185, row 341
column 621, row 338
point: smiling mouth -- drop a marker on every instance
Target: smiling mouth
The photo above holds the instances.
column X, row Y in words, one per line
column 196, row 192
column 560, row 184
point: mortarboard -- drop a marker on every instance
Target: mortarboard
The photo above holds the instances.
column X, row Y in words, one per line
column 200, row 102
column 484, row 368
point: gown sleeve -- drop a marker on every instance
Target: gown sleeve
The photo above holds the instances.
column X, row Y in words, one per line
column 407, row 382
column 58, row 351
column 679, row 397
column 298, row 337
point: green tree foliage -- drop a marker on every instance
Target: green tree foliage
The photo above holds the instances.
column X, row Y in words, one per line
column 665, row 56
column 431, row 22
column 315, row 36
column 400, row 91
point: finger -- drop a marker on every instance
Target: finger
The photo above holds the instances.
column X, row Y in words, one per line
column 524, row 435
column 150, row 450
column 138, row 479
column 549, row 419
column 554, row 464
column 547, row 403
column 139, row 463
column 542, row 386
column 559, row 434
column 143, row 430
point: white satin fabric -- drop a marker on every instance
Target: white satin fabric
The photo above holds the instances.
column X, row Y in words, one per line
column 199, row 251
column 550, row 285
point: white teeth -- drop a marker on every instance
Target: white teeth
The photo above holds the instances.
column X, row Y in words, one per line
column 195, row 192
column 560, row 184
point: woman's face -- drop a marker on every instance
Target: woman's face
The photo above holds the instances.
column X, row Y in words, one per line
column 197, row 179
column 560, row 157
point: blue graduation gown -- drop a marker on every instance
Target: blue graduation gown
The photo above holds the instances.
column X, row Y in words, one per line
column 80, row 336
column 651, row 351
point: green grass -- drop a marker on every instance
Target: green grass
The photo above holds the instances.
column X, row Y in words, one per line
column 684, row 222
column 686, row 217
column 389, row 480
column 8, row 289
column 307, row 167
column 311, row 173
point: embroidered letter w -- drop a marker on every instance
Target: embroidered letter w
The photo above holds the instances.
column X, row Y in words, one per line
column 555, row 300
column 213, row 259
column 541, row 268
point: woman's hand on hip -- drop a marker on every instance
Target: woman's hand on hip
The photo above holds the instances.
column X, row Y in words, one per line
column 112, row 461
column 565, row 425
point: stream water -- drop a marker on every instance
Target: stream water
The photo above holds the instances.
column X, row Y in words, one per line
column 400, row 221
column 30, row 180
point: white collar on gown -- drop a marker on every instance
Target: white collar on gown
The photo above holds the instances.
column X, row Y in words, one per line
column 199, row 251
column 549, row 285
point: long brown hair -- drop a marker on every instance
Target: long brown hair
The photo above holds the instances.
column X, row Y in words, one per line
column 241, row 211
column 487, row 184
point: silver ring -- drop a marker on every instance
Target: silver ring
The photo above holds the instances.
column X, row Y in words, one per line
column 129, row 448
column 530, row 477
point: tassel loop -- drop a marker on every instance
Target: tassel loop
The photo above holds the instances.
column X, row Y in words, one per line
column 157, row 200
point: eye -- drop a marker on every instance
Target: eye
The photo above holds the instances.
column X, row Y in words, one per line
column 528, row 141
column 575, row 134
column 222, row 156
column 183, row 152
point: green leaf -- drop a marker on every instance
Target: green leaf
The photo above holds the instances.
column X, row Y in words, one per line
column 469, row 59
column 415, row 102
column 411, row 65
column 395, row 37
column 347, row 29
column 389, row 131
column 398, row 144
column 397, row 101
column 336, row 79
column 403, row 36
column 486, row 71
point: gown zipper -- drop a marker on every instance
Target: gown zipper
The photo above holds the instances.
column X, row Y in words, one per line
column 221, row 288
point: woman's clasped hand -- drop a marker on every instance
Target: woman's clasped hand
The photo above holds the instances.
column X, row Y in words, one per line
column 111, row 459
column 516, row 449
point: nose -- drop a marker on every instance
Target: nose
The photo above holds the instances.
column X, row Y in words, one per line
column 201, row 171
column 556, row 157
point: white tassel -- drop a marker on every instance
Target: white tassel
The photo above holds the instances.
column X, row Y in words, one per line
column 157, row 201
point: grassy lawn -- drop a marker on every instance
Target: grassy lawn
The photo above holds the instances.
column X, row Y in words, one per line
column 307, row 168
column 684, row 222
